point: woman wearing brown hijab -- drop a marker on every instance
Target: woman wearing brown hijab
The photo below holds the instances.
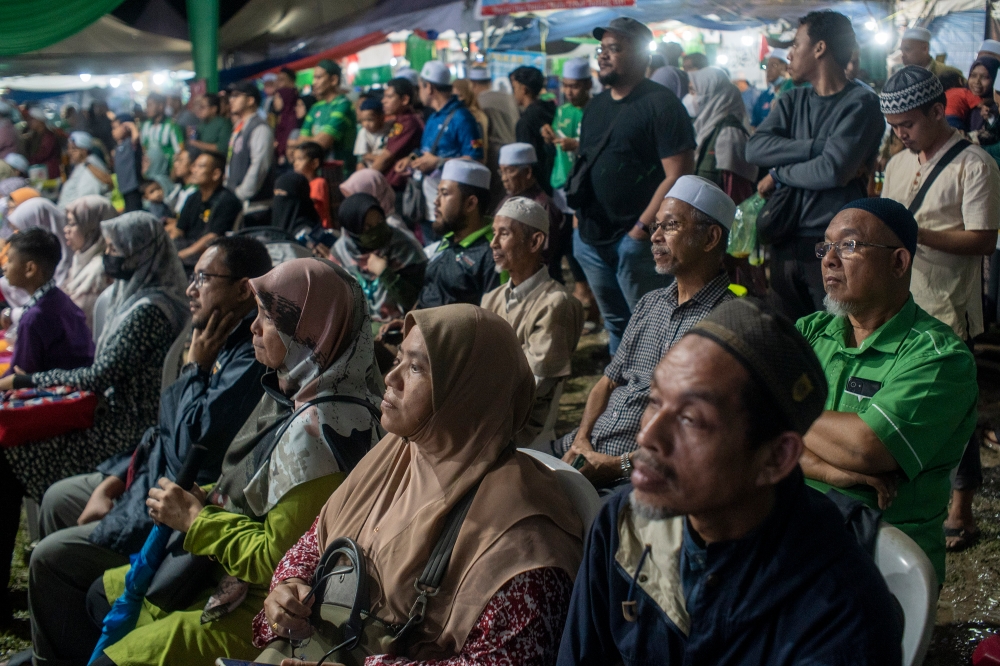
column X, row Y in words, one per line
column 460, row 389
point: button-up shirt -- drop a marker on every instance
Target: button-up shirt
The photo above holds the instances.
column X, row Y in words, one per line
column 913, row 382
column 656, row 324
column 966, row 196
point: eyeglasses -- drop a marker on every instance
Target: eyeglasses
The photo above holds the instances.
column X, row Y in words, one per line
column 847, row 248
column 201, row 277
column 672, row 226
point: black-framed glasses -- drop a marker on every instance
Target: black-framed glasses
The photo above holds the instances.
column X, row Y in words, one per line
column 847, row 248
column 201, row 277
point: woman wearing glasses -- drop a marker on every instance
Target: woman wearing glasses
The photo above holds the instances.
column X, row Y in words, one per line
column 147, row 311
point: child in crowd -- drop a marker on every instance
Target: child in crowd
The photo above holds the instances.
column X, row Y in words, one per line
column 128, row 160
column 307, row 160
column 152, row 200
column 52, row 332
column 374, row 130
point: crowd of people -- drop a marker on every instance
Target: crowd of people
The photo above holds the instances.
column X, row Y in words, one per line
column 368, row 402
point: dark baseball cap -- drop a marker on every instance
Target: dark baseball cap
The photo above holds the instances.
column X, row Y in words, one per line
column 629, row 27
column 248, row 88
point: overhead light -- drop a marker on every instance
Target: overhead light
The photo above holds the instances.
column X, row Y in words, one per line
column 114, row 82
column 871, row 25
column 85, row 77
column 747, row 40
column 652, row 45
column 721, row 59
column 882, row 37
column 393, row 62
column 137, row 86
column 687, row 35
column 159, row 79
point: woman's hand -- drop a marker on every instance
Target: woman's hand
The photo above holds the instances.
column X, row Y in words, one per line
column 173, row 506
column 376, row 265
column 7, row 383
column 287, row 611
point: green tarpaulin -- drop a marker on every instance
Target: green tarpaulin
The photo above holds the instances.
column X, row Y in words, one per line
column 29, row 25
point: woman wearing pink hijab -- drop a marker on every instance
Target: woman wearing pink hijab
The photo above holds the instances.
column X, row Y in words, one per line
column 371, row 181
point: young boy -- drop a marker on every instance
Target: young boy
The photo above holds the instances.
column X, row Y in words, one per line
column 128, row 160
column 307, row 159
column 374, row 130
column 52, row 332
column 152, row 200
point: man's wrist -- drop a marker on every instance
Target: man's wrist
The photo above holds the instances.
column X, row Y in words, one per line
column 773, row 173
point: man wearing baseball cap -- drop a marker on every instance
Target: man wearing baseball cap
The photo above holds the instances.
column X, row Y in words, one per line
column 637, row 133
column 689, row 243
column 331, row 122
column 548, row 321
column 915, row 49
column 251, row 146
column 451, row 132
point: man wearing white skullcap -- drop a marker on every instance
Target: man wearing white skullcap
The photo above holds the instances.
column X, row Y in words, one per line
column 451, row 131
column 989, row 49
column 502, row 112
column 689, row 241
column 89, row 175
column 775, row 70
column 19, row 163
column 460, row 269
column 518, row 165
column 548, row 321
column 42, row 145
column 915, row 49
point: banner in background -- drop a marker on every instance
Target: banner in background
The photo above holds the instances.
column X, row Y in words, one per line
column 502, row 63
column 485, row 8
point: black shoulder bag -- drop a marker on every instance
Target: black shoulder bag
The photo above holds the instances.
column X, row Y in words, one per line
column 579, row 190
column 183, row 576
column 945, row 160
column 413, row 210
column 345, row 631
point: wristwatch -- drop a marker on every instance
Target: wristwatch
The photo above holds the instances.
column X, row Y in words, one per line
column 626, row 466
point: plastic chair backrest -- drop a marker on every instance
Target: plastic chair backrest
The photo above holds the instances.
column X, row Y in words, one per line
column 911, row 579
column 580, row 491
column 173, row 361
column 283, row 251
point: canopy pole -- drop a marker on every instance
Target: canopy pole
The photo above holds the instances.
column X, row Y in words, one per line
column 203, row 26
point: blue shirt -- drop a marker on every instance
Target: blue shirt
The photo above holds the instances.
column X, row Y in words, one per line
column 461, row 137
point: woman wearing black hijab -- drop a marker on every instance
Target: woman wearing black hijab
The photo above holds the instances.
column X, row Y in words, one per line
column 292, row 207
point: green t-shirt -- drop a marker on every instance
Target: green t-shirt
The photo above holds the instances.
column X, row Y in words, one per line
column 336, row 118
column 566, row 125
column 217, row 131
column 913, row 382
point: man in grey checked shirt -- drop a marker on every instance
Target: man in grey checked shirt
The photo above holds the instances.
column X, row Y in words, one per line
column 689, row 241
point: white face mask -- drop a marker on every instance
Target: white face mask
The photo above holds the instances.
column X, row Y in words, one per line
column 691, row 104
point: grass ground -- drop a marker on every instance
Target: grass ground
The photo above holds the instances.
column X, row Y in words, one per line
column 969, row 607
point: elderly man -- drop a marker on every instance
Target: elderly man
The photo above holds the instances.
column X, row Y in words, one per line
column 915, row 49
column 93, row 522
column 953, row 190
column 689, row 242
column 719, row 553
column 547, row 319
column 903, row 391
column 518, row 173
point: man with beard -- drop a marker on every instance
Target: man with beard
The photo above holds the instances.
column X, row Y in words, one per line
column 548, row 321
column 461, row 267
column 93, row 522
column 719, row 553
column 636, row 139
column 689, row 242
column 903, row 390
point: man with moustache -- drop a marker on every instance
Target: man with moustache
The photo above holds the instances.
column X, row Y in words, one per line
column 547, row 319
column 93, row 522
column 719, row 553
column 689, row 242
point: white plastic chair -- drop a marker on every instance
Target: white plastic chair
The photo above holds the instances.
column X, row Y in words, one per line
column 543, row 442
column 910, row 577
column 580, row 491
column 175, row 357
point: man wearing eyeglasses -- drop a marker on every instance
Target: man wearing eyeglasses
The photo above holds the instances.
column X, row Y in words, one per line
column 93, row 522
column 903, row 392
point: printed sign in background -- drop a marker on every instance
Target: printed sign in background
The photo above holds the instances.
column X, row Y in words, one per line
column 502, row 63
column 499, row 7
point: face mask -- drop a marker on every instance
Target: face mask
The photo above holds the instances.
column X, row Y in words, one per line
column 691, row 104
column 376, row 237
column 114, row 268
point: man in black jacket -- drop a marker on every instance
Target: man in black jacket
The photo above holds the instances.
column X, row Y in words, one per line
column 527, row 84
column 93, row 522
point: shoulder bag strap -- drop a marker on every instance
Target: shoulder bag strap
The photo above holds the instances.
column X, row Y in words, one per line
column 945, row 160
column 444, row 126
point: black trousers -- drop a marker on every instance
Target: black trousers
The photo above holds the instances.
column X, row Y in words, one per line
column 133, row 201
column 796, row 278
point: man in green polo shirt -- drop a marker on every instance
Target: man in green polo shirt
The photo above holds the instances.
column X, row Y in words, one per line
column 903, row 392
column 331, row 122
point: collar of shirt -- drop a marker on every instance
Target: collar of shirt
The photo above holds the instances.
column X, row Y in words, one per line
column 955, row 138
column 521, row 291
column 485, row 230
column 887, row 338
column 446, row 109
column 41, row 291
column 707, row 295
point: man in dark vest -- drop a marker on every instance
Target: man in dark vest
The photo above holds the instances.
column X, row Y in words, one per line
column 251, row 146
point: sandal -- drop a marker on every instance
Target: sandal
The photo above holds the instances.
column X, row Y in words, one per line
column 966, row 538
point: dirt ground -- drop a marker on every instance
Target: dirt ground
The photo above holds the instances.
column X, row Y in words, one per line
column 969, row 607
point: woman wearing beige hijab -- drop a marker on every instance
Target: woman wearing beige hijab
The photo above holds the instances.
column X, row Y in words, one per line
column 460, row 389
